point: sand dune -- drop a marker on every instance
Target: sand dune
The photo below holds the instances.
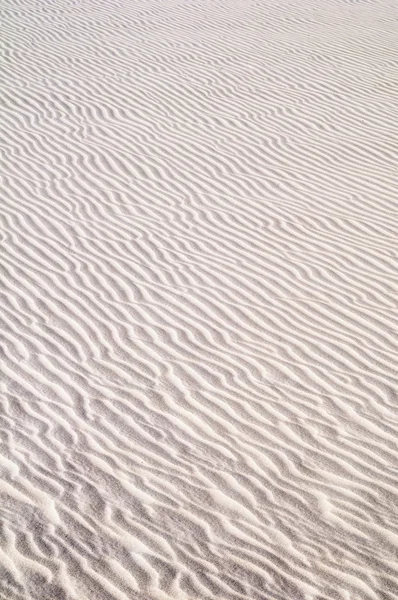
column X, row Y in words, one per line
column 199, row 300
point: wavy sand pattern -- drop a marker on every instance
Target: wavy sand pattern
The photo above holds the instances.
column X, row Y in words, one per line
column 199, row 254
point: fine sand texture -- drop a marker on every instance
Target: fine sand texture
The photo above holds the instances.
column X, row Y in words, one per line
column 199, row 260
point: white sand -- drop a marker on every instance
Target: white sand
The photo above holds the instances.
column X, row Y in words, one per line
column 199, row 289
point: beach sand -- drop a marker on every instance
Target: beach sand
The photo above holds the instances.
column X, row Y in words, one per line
column 199, row 259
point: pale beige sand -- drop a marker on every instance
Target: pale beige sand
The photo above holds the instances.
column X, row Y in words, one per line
column 199, row 300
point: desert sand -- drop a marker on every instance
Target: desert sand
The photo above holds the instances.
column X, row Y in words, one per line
column 199, row 258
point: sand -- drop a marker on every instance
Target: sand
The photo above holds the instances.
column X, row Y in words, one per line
column 199, row 258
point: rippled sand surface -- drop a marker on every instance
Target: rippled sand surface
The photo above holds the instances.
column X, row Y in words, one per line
column 199, row 258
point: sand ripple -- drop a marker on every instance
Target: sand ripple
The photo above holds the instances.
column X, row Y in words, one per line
column 199, row 300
